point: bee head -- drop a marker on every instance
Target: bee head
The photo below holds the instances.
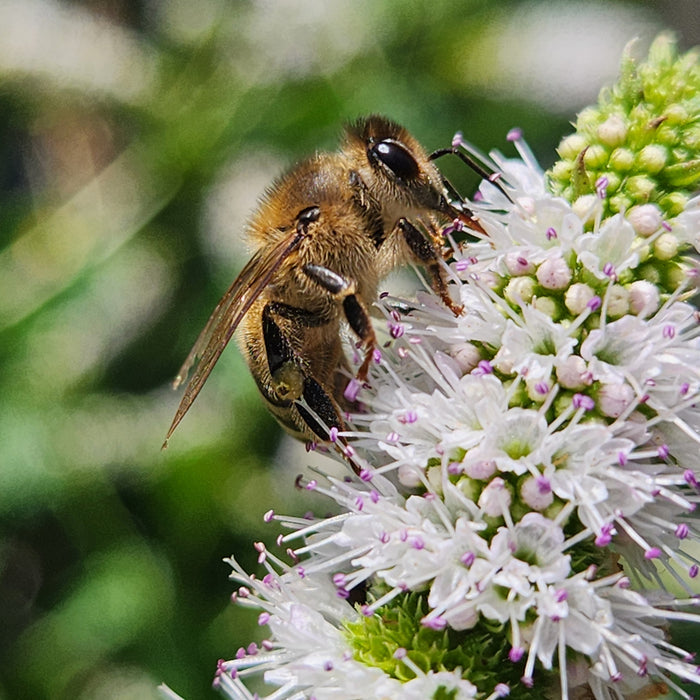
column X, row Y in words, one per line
column 394, row 166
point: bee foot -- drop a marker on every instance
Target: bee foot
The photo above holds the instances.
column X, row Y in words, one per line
column 363, row 372
column 456, row 309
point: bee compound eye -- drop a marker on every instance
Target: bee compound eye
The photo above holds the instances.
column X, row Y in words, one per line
column 396, row 158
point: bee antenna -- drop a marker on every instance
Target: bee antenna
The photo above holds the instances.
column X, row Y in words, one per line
column 491, row 177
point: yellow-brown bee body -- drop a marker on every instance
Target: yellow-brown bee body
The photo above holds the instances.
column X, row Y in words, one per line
column 324, row 235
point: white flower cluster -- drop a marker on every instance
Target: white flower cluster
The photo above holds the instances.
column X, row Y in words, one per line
column 532, row 463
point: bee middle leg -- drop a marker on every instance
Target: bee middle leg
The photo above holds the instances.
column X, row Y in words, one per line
column 355, row 312
column 425, row 253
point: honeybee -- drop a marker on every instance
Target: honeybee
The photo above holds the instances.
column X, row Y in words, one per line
column 325, row 234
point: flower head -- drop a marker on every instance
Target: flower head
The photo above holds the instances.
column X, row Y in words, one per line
column 528, row 468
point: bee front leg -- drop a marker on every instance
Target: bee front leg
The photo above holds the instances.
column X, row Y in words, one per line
column 354, row 310
column 425, row 253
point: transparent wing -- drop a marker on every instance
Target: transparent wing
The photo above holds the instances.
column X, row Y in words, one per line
column 222, row 324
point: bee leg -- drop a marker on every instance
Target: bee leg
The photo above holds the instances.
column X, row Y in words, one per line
column 354, row 310
column 291, row 385
column 286, row 376
column 424, row 252
column 323, row 414
column 323, row 417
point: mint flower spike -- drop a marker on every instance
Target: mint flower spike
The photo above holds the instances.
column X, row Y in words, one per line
column 522, row 524
column 642, row 139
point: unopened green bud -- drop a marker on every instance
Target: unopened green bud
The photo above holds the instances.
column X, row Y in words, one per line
column 640, row 187
column 691, row 138
column 548, row 306
column 674, row 276
column 673, row 203
column 596, row 156
column 652, row 158
column 562, row 170
column 469, row 487
column 613, row 183
column 434, row 475
column 666, row 246
column 587, row 118
column 562, row 402
column 650, row 272
column 620, row 202
column 571, row 146
column 683, row 174
column 520, row 290
column 621, row 159
column 676, row 114
column 666, row 135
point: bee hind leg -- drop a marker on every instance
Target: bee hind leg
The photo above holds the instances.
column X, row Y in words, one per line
column 354, row 310
column 318, row 410
column 320, row 414
column 291, row 387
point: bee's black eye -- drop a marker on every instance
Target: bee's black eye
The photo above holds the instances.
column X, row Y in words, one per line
column 396, row 158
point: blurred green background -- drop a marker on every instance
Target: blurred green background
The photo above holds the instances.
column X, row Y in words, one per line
column 135, row 137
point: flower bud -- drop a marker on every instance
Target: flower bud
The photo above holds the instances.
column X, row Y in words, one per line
column 466, row 355
column 577, row 297
column 640, row 187
column 571, row 146
column 645, row 219
column 652, row 158
column 573, row 373
column 520, row 290
column 621, row 159
column 643, row 298
column 674, row 276
column 614, row 399
column 409, row 476
column 618, row 301
column 517, row 264
column 554, row 273
column 666, row 246
column 481, row 469
column 673, row 203
column 464, row 619
column 548, row 307
column 620, row 202
column 536, row 493
column 585, row 206
column 613, row 131
column 434, row 475
column 676, row 114
column 596, row 156
column 495, row 499
column 562, row 170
